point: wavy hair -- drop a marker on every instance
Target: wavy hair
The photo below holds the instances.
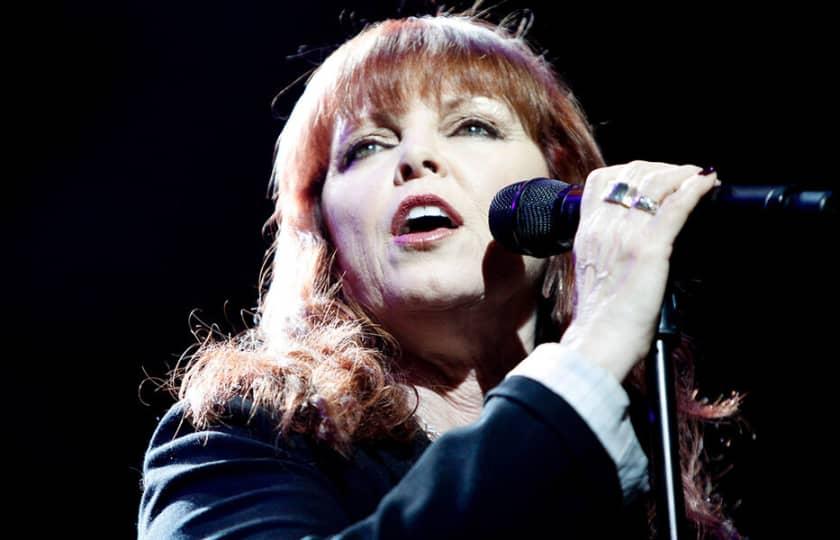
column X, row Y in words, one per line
column 314, row 358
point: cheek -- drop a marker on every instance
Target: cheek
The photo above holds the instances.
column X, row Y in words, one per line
column 352, row 229
column 524, row 163
column 498, row 170
column 340, row 217
column 352, row 204
column 348, row 239
column 350, row 233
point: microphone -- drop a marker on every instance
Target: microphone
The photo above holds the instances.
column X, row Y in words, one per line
column 539, row 217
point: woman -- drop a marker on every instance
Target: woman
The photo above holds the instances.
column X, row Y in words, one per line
column 407, row 377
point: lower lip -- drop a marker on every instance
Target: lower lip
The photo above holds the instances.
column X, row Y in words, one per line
column 423, row 240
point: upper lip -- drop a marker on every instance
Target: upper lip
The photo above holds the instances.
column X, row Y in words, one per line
column 427, row 199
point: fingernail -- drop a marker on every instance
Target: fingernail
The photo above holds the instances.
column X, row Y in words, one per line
column 707, row 171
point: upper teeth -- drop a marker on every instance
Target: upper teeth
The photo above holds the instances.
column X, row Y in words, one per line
column 426, row 211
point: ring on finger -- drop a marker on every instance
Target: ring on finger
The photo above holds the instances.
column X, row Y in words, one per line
column 621, row 193
column 645, row 203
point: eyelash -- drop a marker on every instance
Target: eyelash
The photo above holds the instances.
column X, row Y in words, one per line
column 350, row 156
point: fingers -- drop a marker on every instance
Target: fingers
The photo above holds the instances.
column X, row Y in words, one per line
column 659, row 184
column 654, row 179
column 675, row 209
column 622, row 256
column 676, row 188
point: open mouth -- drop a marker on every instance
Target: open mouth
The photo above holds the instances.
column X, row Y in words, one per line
column 426, row 218
column 419, row 214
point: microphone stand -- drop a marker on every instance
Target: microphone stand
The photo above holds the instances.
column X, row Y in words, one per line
column 665, row 462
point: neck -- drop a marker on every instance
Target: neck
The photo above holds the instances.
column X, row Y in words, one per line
column 455, row 357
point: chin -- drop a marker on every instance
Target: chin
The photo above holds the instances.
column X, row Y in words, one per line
column 439, row 293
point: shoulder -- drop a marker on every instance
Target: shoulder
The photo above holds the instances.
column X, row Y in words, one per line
column 240, row 426
column 228, row 475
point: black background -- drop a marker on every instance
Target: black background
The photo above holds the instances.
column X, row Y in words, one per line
column 141, row 143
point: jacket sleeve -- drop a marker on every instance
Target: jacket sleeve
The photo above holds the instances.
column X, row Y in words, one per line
column 600, row 400
column 530, row 464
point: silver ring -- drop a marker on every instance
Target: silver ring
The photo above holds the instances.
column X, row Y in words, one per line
column 643, row 202
column 621, row 193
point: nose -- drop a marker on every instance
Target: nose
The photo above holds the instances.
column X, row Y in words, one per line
column 417, row 161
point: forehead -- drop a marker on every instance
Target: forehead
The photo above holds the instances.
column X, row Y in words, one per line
column 442, row 105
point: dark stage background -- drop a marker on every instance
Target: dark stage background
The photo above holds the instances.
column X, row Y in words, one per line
column 141, row 144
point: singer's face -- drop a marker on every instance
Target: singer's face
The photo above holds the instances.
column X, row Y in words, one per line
column 454, row 159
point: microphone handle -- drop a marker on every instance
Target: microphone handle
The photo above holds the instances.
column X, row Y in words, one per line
column 726, row 202
column 779, row 199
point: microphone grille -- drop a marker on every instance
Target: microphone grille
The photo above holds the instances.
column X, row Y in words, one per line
column 536, row 203
column 521, row 215
column 503, row 215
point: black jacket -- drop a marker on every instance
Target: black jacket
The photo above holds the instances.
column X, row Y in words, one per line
column 530, row 467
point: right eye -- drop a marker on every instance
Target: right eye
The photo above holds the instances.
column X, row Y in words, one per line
column 361, row 150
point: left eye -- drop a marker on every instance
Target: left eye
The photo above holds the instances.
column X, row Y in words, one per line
column 362, row 150
column 474, row 128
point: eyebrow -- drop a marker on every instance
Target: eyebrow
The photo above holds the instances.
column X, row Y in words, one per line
column 497, row 105
column 390, row 119
column 452, row 104
column 377, row 118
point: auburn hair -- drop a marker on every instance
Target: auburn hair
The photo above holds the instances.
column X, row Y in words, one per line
column 314, row 357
